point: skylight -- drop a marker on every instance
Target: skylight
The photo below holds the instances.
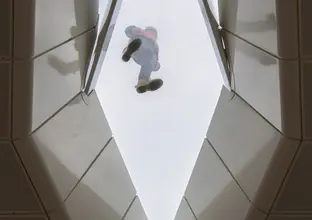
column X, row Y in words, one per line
column 160, row 133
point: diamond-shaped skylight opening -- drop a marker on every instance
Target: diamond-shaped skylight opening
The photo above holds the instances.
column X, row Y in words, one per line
column 160, row 133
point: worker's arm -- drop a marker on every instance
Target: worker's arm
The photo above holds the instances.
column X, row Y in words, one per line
column 132, row 30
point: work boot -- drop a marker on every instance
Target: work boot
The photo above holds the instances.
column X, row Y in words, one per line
column 131, row 49
column 142, row 86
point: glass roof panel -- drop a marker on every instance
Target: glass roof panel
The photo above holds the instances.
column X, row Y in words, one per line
column 160, row 133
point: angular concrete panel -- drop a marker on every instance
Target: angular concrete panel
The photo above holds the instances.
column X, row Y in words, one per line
column 268, row 24
column 136, row 211
column 184, row 212
column 295, row 196
column 38, row 29
column 21, row 217
column 73, row 18
column 256, row 154
column 5, row 99
column 57, row 155
column 269, row 85
column 305, row 18
column 6, row 17
column 306, row 91
column 17, row 194
column 213, row 194
column 290, row 217
column 105, row 192
column 52, row 80
column 24, row 28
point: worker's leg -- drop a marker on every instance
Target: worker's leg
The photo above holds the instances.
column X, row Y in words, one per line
column 147, row 60
column 145, row 74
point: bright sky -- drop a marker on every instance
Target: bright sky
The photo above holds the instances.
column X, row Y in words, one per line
column 160, row 134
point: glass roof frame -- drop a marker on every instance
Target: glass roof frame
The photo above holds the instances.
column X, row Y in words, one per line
column 214, row 31
column 105, row 29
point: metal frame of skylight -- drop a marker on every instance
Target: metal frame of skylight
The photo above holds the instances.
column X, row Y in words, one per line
column 98, row 54
column 216, row 38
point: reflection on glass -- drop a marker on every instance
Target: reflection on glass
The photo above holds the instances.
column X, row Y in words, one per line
column 81, row 45
column 257, row 26
column 250, row 52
